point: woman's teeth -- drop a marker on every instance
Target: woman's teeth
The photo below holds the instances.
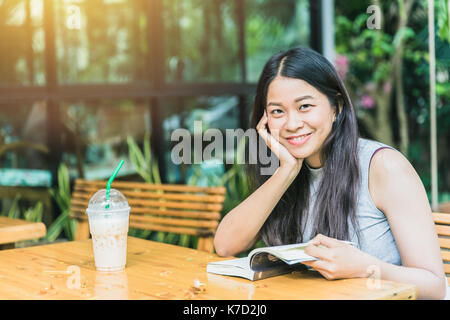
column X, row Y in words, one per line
column 299, row 140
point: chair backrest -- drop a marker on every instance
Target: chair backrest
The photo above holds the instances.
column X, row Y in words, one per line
column 160, row 207
column 442, row 222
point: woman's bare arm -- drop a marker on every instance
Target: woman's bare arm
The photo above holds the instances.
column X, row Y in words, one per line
column 239, row 229
column 398, row 191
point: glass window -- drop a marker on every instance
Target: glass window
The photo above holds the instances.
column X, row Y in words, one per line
column 201, row 41
column 272, row 26
column 22, row 42
column 23, row 123
column 95, row 135
column 220, row 112
column 101, row 41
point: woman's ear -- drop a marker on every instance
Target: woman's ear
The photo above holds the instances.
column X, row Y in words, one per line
column 339, row 106
column 340, row 103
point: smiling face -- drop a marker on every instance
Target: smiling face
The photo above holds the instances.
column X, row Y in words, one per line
column 300, row 117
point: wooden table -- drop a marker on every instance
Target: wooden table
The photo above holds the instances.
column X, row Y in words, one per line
column 161, row 271
column 13, row 230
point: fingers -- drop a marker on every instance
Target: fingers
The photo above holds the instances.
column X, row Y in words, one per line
column 262, row 123
column 328, row 242
column 317, row 264
column 270, row 138
column 323, row 267
column 262, row 129
column 318, row 252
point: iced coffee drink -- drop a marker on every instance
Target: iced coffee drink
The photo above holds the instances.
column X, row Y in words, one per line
column 108, row 223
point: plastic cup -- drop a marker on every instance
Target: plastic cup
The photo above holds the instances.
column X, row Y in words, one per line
column 109, row 229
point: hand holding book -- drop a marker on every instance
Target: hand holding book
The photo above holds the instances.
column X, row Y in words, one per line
column 264, row 262
column 337, row 259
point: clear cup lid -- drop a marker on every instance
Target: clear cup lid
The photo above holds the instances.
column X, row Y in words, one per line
column 98, row 202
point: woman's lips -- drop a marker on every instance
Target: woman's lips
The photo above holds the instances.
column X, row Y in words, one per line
column 299, row 140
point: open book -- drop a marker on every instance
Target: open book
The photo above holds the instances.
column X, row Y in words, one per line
column 264, row 262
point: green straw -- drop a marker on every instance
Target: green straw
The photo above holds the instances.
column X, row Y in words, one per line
column 108, row 185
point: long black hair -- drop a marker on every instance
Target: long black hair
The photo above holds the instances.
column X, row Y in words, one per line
column 337, row 194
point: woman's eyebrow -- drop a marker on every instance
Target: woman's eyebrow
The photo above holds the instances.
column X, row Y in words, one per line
column 296, row 100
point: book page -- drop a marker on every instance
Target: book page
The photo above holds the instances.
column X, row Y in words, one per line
column 264, row 260
column 239, row 263
column 294, row 253
column 286, row 252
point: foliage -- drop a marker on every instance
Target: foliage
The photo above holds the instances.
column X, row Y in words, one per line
column 365, row 61
column 443, row 19
column 146, row 165
column 62, row 196
column 144, row 162
column 34, row 214
column 31, row 214
column 236, row 181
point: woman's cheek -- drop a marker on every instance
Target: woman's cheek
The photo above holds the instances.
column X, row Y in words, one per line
column 274, row 125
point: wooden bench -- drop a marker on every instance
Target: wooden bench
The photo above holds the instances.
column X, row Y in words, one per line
column 13, row 230
column 172, row 208
column 442, row 222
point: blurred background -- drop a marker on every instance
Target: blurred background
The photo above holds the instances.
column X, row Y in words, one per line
column 86, row 83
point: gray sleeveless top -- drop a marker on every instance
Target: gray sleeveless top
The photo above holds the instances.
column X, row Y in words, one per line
column 376, row 236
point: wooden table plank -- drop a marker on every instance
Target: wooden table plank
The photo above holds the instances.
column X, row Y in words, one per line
column 13, row 230
column 161, row 271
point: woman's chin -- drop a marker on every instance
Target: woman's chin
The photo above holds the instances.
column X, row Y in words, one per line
column 299, row 154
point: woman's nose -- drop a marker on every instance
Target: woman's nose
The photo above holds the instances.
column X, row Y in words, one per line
column 294, row 121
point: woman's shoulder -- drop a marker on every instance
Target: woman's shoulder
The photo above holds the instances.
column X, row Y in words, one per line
column 383, row 158
column 367, row 149
column 390, row 170
column 368, row 145
column 390, row 161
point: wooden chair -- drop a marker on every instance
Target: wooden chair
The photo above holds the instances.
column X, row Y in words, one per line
column 159, row 207
column 442, row 222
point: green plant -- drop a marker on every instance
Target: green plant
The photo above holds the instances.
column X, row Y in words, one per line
column 146, row 166
column 143, row 161
column 235, row 180
column 62, row 197
column 14, row 210
column 32, row 214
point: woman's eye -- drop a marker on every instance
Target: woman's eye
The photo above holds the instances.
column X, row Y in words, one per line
column 276, row 111
column 304, row 106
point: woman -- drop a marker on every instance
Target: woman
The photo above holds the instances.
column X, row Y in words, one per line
column 323, row 190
